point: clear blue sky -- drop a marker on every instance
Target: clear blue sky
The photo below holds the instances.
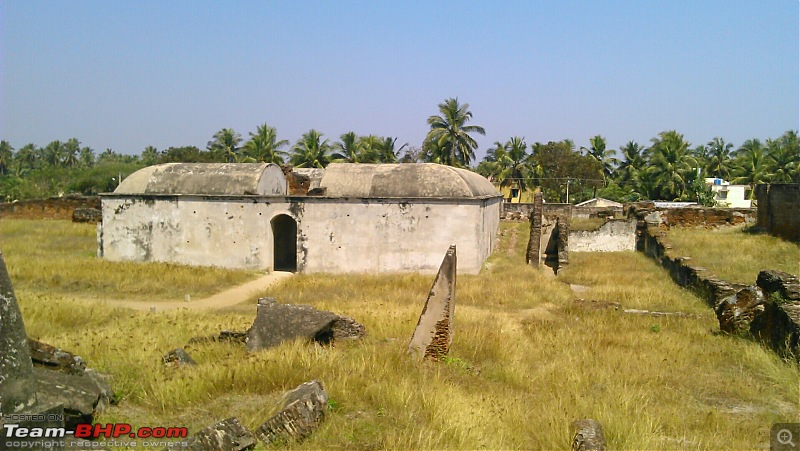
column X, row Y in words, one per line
column 127, row 74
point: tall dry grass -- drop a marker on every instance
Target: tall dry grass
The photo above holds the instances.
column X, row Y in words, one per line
column 526, row 361
column 58, row 259
column 734, row 253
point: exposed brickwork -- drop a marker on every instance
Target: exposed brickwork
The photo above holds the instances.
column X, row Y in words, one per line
column 52, row 208
column 533, row 254
column 779, row 210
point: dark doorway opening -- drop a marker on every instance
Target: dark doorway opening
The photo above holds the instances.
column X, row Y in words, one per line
column 284, row 237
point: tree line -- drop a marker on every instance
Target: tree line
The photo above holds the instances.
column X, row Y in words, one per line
column 668, row 169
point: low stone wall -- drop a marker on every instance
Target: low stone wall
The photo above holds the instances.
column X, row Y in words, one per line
column 52, row 208
column 769, row 312
column 689, row 216
column 779, row 210
column 522, row 211
column 615, row 235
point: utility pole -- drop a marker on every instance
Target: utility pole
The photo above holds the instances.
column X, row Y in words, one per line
column 567, row 190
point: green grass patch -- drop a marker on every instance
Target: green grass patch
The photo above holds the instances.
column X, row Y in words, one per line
column 525, row 362
column 734, row 254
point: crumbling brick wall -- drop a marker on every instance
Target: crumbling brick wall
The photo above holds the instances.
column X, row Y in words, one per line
column 779, row 209
column 51, row 208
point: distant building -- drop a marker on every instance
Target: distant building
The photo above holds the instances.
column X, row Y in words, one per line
column 512, row 194
column 730, row 196
column 599, row 202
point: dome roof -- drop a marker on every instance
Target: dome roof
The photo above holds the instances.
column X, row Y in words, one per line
column 206, row 178
column 406, row 180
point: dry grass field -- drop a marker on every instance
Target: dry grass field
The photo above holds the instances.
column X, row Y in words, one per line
column 733, row 253
column 527, row 359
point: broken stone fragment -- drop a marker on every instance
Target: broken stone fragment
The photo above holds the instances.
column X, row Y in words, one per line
column 587, row 435
column 178, row 357
column 81, row 395
column 227, row 435
column 276, row 323
column 302, row 410
column 737, row 311
column 50, row 357
column 785, row 285
column 434, row 333
column 346, row 328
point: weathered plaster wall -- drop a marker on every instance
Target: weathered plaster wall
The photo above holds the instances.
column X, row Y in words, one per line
column 615, row 235
column 334, row 235
column 779, row 210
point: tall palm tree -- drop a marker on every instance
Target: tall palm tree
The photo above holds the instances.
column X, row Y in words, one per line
column 225, row 145
column 27, row 156
column 6, row 155
column 349, row 149
column 751, row 165
column 597, row 150
column 786, row 160
column 512, row 163
column 53, row 153
column 264, row 145
column 450, row 133
column 86, row 156
column 386, row 151
column 149, row 155
column 672, row 163
column 719, row 158
column 631, row 164
column 310, row 151
column 71, row 152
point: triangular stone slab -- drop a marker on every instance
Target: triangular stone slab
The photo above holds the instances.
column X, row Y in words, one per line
column 434, row 333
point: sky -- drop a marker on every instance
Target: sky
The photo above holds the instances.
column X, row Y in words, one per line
column 128, row 74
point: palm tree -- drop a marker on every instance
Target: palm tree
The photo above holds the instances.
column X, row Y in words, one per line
column 450, row 134
column 86, row 156
column 349, row 149
column 53, row 153
column 6, row 155
column 751, row 165
column 225, row 144
column 784, row 158
column 512, row 163
column 264, row 145
column 597, row 150
column 386, row 152
column 719, row 158
column 71, row 151
column 150, row 155
column 310, row 151
column 672, row 163
column 27, row 157
column 631, row 165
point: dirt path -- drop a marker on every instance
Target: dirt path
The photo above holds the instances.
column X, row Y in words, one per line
column 220, row 300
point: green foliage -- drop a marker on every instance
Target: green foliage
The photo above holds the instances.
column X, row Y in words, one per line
column 449, row 141
column 655, row 328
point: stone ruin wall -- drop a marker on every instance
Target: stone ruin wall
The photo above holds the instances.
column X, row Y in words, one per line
column 522, row 211
column 779, row 210
column 613, row 236
column 51, row 208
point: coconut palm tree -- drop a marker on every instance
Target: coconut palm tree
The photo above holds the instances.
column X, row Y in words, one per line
column 225, row 145
column 631, row 164
column 449, row 132
column 751, row 165
column 264, row 145
column 784, row 158
column 71, row 153
column 310, row 151
column 53, row 153
column 512, row 162
column 672, row 163
column 6, row 155
column 349, row 149
column 719, row 158
column 597, row 150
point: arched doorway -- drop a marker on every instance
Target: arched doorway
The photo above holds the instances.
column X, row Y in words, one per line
column 284, row 237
